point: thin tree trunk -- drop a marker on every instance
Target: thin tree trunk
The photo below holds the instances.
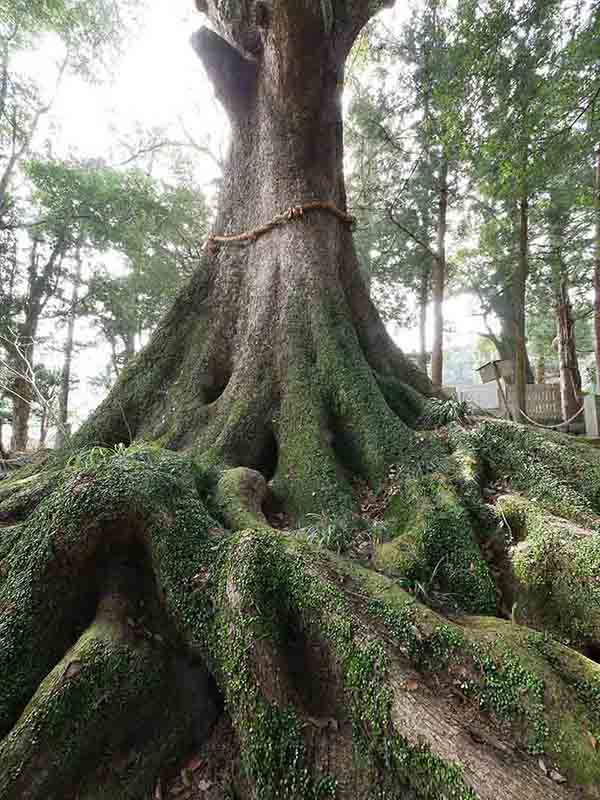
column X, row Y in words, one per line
column 570, row 376
column 423, row 298
column 65, row 380
column 438, row 281
column 540, row 372
column 129, row 346
column 518, row 294
column 597, row 272
column 40, row 288
column 43, row 427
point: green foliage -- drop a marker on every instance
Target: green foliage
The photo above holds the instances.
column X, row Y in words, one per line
column 439, row 413
column 91, row 31
column 558, row 473
column 433, row 549
column 555, row 567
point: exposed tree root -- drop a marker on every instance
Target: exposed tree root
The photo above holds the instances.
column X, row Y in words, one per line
column 130, row 616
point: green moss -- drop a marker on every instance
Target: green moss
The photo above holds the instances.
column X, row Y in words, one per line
column 553, row 470
column 544, row 690
column 555, row 569
column 79, row 711
column 407, row 403
column 434, row 547
column 280, row 578
column 238, row 494
column 308, row 478
column 20, row 494
column 132, row 494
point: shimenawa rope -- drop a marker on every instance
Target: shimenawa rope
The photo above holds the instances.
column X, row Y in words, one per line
column 292, row 213
column 551, row 427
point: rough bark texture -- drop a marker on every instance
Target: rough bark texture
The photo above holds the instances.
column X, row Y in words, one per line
column 160, row 638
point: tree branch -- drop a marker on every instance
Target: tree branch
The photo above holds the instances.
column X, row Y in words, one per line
column 358, row 13
column 232, row 75
column 235, row 21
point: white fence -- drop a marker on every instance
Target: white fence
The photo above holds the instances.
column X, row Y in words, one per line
column 543, row 402
column 543, row 399
column 483, row 395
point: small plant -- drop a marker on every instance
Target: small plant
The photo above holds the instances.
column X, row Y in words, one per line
column 439, row 413
column 332, row 533
column 94, row 456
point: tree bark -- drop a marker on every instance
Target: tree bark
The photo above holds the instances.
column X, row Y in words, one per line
column 40, row 286
column 519, row 288
column 423, row 300
column 596, row 279
column 570, row 376
column 63, row 428
column 540, row 370
column 438, row 281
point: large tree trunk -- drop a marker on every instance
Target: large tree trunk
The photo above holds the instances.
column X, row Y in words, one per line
column 150, row 647
column 506, row 342
column 275, row 357
column 570, row 376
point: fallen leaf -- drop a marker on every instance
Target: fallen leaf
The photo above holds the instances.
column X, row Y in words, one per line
column 557, row 777
column 593, row 741
column 186, row 777
column 158, row 795
column 542, row 766
column 204, row 786
column 411, row 685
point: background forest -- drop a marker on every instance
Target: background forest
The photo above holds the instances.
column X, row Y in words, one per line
column 471, row 131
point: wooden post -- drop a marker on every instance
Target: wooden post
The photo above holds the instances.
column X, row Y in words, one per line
column 501, row 390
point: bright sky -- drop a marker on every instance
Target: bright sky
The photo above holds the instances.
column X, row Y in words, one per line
column 160, row 83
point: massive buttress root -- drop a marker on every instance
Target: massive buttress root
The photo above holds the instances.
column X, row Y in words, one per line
column 134, row 626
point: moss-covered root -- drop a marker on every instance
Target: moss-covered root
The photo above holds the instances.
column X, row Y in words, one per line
column 127, row 669
column 559, row 473
column 85, row 704
column 433, row 547
column 21, row 494
column 336, row 682
column 554, row 567
column 336, row 421
column 403, row 701
column 240, row 495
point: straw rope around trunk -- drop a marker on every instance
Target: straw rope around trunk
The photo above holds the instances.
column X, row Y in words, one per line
column 291, row 214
